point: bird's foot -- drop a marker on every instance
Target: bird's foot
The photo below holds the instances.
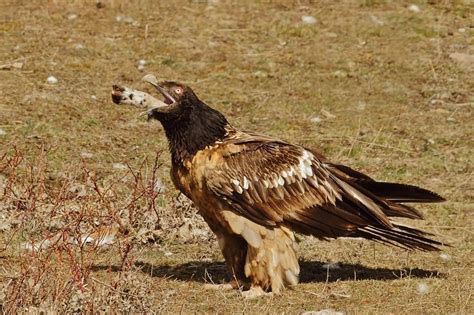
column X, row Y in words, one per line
column 255, row 292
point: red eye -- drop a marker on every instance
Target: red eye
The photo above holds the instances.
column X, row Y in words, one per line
column 178, row 90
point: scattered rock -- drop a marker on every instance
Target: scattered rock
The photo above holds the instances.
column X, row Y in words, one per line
column 260, row 74
column 2, row 132
column 141, row 64
column 94, row 98
column 316, row 119
column 72, row 16
column 52, row 80
column 340, row 74
column 422, row 288
column 414, row 8
column 308, row 19
column 463, row 60
column 79, row 46
column 445, row 257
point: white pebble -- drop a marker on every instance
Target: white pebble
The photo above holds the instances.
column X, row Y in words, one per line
column 72, row 16
column 316, row 120
column 142, row 62
column 79, row 46
column 119, row 18
column 52, row 80
column 445, row 257
column 422, row 288
column 308, row 19
column 414, row 8
column 167, row 254
column 462, row 30
column 2, row 132
column 93, row 97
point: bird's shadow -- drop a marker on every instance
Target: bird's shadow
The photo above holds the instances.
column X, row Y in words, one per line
column 311, row 271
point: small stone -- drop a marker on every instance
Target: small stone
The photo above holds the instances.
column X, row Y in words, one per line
column 2, row 132
column 308, row 19
column 142, row 62
column 93, row 97
column 141, row 67
column 79, row 46
column 462, row 30
column 119, row 18
column 340, row 74
column 52, row 80
column 167, row 254
column 445, row 257
column 316, row 120
column 260, row 74
column 72, row 16
column 422, row 288
column 414, row 8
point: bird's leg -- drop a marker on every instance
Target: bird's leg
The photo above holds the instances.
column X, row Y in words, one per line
column 234, row 250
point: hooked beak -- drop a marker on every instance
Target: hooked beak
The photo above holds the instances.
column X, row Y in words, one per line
column 150, row 78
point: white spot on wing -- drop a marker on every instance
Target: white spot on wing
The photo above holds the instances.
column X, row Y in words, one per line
column 246, row 183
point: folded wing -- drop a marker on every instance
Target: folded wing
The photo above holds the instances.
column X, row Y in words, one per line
column 274, row 183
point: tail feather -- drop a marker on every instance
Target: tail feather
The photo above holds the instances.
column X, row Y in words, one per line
column 401, row 236
column 400, row 192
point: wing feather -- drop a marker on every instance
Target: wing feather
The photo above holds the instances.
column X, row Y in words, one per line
column 274, row 183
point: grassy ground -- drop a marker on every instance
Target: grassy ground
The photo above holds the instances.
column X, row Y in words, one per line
column 373, row 84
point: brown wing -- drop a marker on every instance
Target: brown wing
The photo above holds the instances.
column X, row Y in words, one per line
column 274, row 183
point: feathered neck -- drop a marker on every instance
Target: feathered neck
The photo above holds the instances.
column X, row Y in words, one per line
column 195, row 128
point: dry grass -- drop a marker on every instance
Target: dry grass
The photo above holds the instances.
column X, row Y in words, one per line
column 371, row 84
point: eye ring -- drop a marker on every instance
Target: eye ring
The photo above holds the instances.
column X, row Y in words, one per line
column 178, row 90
